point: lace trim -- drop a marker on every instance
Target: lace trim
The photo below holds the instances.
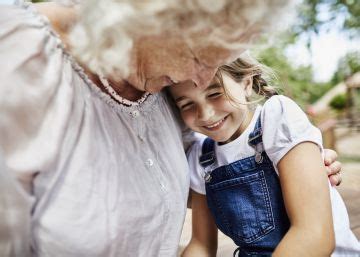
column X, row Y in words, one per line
column 118, row 97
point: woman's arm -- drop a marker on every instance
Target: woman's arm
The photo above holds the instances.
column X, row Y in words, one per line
column 203, row 241
column 306, row 195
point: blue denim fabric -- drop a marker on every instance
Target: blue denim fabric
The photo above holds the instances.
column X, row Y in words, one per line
column 245, row 198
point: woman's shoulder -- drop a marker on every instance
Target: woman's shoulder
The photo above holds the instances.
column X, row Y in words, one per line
column 29, row 25
column 62, row 18
column 24, row 32
column 285, row 124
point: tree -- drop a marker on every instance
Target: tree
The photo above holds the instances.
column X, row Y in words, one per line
column 346, row 13
column 295, row 82
column 347, row 65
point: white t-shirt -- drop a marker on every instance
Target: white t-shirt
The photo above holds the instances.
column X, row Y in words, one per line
column 284, row 126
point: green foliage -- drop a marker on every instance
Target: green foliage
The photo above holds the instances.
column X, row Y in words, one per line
column 348, row 65
column 346, row 13
column 315, row 15
column 338, row 102
column 296, row 82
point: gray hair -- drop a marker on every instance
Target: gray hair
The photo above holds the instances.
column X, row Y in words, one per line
column 104, row 36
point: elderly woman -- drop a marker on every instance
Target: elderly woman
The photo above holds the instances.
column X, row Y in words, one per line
column 98, row 152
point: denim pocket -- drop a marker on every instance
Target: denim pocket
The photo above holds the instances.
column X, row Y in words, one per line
column 243, row 206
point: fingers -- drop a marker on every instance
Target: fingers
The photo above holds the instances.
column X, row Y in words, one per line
column 336, row 179
column 333, row 168
column 329, row 156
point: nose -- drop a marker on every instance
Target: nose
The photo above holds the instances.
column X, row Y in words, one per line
column 205, row 111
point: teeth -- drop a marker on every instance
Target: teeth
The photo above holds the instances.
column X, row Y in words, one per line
column 215, row 124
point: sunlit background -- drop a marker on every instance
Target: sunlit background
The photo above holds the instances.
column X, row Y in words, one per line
column 318, row 65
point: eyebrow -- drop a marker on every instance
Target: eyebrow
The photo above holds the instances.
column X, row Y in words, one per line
column 212, row 86
column 180, row 98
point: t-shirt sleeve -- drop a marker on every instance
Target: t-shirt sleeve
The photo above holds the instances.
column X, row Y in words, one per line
column 197, row 182
column 35, row 95
column 285, row 125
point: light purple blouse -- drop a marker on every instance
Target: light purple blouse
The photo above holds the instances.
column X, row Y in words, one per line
column 102, row 179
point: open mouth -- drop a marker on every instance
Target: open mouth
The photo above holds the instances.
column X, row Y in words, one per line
column 216, row 125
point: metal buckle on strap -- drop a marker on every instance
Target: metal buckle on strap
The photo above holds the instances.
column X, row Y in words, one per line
column 207, row 176
column 258, row 157
column 259, row 149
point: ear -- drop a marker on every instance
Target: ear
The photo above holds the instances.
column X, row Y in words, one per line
column 247, row 84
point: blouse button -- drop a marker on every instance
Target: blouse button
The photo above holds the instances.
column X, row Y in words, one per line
column 149, row 162
column 135, row 113
column 142, row 139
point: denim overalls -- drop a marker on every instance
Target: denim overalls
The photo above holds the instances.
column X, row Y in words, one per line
column 245, row 198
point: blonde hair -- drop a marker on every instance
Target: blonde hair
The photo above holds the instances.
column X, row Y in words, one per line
column 104, row 36
column 247, row 66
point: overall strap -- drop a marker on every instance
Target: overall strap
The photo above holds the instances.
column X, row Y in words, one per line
column 207, row 156
column 256, row 142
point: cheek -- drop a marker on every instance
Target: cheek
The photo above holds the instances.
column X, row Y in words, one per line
column 223, row 104
column 188, row 118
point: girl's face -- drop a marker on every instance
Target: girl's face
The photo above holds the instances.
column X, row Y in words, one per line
column 210, row 111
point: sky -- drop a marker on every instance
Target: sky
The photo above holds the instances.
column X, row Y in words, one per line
column 326, row 49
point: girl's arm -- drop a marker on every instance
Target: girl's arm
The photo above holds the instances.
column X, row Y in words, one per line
column 203, row 241
column 307, row 199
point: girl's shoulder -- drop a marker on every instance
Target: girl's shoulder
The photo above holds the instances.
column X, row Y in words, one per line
column 279, row 102
column 284, row 125
column 280, row 107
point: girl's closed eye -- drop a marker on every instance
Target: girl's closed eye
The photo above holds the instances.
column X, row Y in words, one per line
column 215, row 92
column 185, row 106
column 215, row 95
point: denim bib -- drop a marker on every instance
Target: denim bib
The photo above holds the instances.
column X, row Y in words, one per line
column 245, row 198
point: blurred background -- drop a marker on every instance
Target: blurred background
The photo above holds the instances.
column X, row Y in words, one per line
column 317, row 62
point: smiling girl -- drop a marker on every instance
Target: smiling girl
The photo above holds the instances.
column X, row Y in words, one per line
column 245, row 175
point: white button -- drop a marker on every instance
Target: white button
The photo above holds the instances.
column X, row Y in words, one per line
column 149, row 162
column 141, row 138
column 135, row 113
